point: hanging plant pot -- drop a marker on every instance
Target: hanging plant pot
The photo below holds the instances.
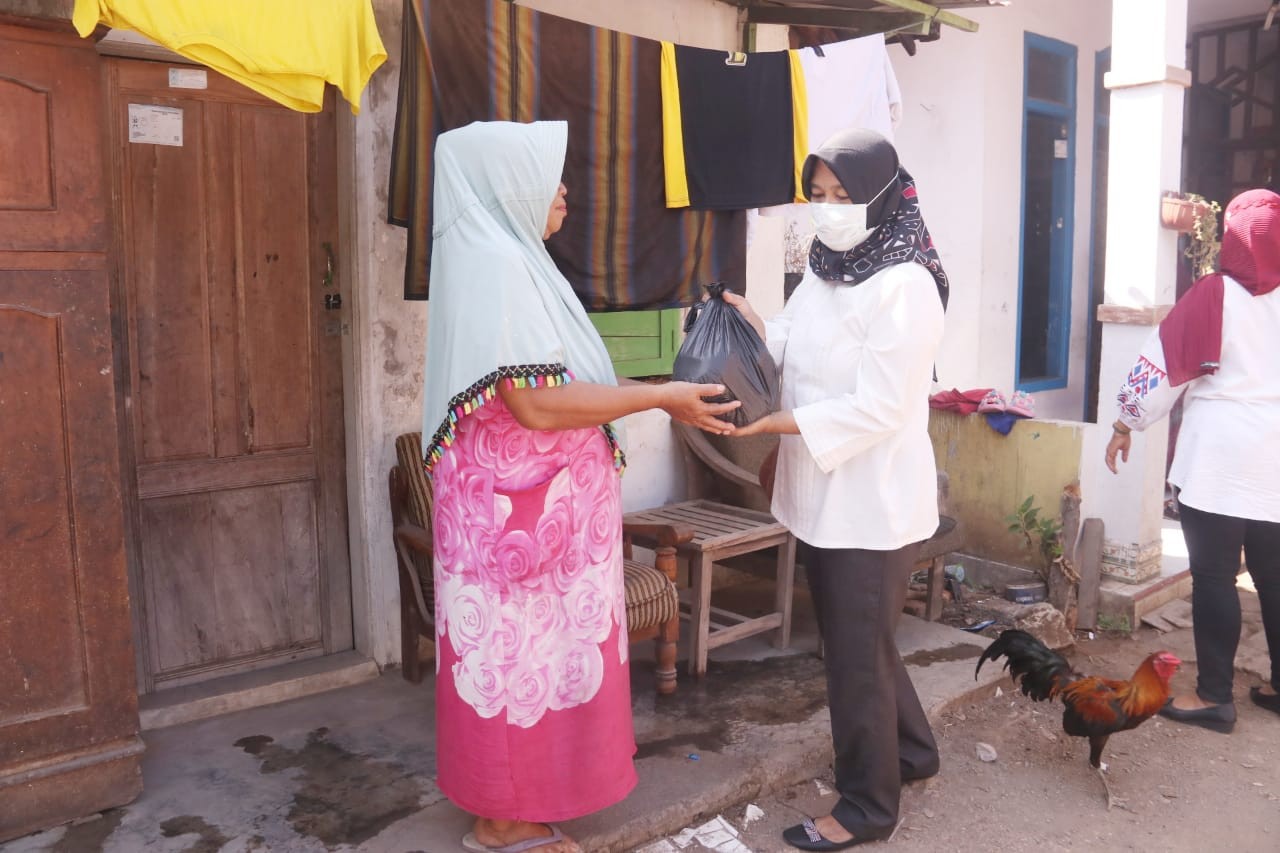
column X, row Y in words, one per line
column 1180, row 214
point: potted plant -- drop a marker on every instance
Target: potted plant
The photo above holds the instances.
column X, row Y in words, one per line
column 1205, row 244
column 1180, row 213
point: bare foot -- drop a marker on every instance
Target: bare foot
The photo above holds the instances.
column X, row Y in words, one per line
column 500, row 833
column 1267, row 690
column 832, row 830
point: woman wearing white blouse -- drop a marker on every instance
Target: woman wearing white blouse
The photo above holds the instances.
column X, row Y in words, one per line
column 1219, row 349
column 855, row 478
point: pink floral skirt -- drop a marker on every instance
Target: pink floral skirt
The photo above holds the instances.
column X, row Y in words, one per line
column 533, row 702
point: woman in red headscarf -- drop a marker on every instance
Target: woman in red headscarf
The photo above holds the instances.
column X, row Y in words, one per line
column 1220, row 347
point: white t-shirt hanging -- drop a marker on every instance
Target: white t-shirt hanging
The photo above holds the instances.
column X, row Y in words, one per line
column 849, row 84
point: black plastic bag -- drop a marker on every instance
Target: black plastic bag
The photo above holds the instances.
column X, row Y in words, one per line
column 721, row 348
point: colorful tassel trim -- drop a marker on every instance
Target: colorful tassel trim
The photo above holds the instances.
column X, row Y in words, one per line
column 527, row 376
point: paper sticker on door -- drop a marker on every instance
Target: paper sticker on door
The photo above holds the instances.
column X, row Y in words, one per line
column 1060, row 149
column 152, row 125
column 188, row 78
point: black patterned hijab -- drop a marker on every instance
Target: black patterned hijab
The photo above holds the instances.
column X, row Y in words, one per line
column 864, row 162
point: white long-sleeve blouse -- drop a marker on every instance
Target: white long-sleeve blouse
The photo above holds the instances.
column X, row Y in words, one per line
column 1227, row 460
column 857, row 365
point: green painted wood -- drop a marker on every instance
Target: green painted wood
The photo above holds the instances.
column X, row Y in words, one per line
column 640, row 343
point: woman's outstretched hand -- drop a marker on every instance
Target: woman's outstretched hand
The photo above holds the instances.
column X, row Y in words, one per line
column 1119, row 444
column 684, row 402
column 748, row 313
column 779, row 423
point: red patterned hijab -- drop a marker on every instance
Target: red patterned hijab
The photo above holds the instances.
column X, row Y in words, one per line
column 1192, row 333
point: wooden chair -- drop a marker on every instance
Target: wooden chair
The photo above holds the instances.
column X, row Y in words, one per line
column 725, row 468
column 653, row 607
column 735, row 525
column 933, row 551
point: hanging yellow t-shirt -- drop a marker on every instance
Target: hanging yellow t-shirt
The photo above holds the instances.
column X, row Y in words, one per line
column 285, row 49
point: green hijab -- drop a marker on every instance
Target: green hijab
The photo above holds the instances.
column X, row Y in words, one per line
column 499, row 309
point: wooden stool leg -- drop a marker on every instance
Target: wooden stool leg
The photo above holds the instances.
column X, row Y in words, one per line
column 933, row 598
column 700, row 612
column 785, row 589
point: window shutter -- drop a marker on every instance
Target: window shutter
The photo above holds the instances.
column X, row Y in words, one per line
column 641, row 343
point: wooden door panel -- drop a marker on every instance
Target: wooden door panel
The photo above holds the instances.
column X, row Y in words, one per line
column 26, row 137
column 67, row 668
column 55, row 200
column 39, row 562
column 69, row 742
column 278, row 285
column 213, row 604
column 237, row 428
column 169, row 295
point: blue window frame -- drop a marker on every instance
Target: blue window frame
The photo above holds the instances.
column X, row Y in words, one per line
column 1048, row 203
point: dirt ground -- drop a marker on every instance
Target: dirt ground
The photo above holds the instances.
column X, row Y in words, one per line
column 1188, row 789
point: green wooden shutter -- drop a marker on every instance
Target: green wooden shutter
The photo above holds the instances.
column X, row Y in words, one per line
column 641, row 343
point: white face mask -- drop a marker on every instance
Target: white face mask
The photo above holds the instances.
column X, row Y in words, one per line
column 841, row 227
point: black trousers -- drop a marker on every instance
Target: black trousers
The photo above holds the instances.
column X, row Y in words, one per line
column 880, row 733
column 1213, row 544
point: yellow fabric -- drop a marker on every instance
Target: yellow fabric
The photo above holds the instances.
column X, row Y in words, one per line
column 799, row 119
column 285, row 49
column 672, row 131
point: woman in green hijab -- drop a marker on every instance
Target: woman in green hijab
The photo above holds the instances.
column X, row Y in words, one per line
column 533, row 708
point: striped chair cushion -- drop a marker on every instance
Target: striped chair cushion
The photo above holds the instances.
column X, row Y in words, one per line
column 651, row 597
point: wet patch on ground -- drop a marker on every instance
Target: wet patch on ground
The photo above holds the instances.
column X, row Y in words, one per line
column 710, row 739
column 925, row 657
column 342, row 797
column 771, row 692
column 209, row 838
column 89, row 836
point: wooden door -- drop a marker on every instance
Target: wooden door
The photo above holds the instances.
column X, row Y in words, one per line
column 227, row 223
column 69, row 740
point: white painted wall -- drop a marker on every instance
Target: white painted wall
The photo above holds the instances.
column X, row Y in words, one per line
column 386, row 346
column 961, row 136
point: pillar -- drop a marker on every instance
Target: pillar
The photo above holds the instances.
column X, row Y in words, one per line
column 1147, row 85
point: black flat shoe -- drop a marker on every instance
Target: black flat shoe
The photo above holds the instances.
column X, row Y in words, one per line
column 1216, row 718
column 805, row 836
column 1270, row 701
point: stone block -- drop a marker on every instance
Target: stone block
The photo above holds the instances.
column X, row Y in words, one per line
column 1041, row 620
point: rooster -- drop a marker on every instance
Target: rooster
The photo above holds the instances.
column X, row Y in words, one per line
column 1096, row 708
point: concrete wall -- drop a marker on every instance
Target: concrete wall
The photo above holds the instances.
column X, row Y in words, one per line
column 991, row 475
column 961, row 136
column 386, row 345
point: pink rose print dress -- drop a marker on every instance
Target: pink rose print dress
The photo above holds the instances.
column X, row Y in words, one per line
column 533, row 702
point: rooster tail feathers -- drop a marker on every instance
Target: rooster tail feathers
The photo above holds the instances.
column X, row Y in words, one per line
column 1037, row 669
